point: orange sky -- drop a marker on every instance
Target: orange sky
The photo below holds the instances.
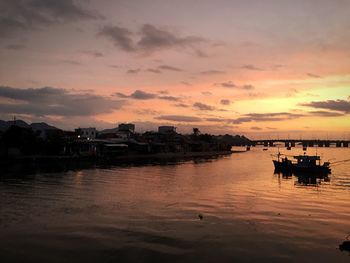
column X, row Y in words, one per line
column 259, row 68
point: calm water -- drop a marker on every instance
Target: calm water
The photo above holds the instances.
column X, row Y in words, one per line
column 150, row 213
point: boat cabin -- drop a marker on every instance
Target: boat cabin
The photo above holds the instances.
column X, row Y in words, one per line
column 305, row 160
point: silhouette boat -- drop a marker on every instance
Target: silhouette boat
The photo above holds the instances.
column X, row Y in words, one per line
column 302, row 164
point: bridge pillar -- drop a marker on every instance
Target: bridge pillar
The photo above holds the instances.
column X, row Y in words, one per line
column 271, row 144
column 345, row 144
column 320, row 144
column 311, row 144
column 292, row 144
column 286, row 144
column 338, row 144
column 327, row 144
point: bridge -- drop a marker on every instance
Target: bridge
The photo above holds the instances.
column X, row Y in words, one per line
column 304, row 143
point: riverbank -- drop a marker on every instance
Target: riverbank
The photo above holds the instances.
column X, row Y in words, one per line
column 33, row 164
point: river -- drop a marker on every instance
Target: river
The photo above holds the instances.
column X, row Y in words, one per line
column 151, row 212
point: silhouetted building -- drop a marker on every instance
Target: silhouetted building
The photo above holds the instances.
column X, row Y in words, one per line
column 86, row 133
column 166, row 129
column 126, row 127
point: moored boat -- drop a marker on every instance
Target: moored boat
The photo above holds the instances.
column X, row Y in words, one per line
column 302, row 164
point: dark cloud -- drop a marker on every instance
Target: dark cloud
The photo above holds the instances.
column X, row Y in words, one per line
column 15, row 46
column 207, row 93
column 142, row 95
column 154, row 38
column 247, row 87
column 170, row 98
column 225, row 102
column 121, row 37
column 178, row 118
column 230, row 84
column 148, row 39
column 170, row 68
column 152, row 70
column 266, row 117
column 334, row 105
column 271, row 128
column 212, row 72
column 133, row 71
column 251, row 67
column 147, row 112
column 326, row 113
column 48, row 101
column 313, row 75
column 255, row 128
column 181, row 105
column 137, row 95
column 20, row 15
column 203, row 107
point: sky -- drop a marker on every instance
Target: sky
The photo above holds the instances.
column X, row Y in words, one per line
column 265, row 69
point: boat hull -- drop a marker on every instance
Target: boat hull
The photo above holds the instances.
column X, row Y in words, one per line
column 289, row 167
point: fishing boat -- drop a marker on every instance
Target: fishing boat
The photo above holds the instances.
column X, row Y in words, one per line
column 306, row 164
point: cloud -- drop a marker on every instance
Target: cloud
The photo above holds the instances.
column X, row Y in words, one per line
column 326, row 113
column 142, row 95
column 170, row 98
column 230, row 84
column 212, row 72
column 170, row 68
column 121, row 37
column 225, row 102
column 148, row 39
column 207, row 93
column 178, row 118
column 138, row 95
column 266, row 117
column 251, row 67
column 247, row 87
column 15, row 46
column 133, row 71
column 21, row 15
column 203, row 107
column 334, row 105
column 147, row 112
column 181, row 105
column 255, row 128
column 48, row 101
column 154, row 38
column 152, row 70
column 313, row 75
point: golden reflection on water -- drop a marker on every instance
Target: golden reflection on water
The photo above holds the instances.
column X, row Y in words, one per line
column 243, row 203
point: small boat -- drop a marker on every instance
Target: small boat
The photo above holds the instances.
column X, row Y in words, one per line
column 265, row 149
column 248, row 148
column 289, row 148
column 305, row 164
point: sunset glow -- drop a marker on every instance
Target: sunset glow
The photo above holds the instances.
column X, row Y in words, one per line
column 259, row 68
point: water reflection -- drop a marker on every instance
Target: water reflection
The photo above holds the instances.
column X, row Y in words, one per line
column 216, row 210
column 304, row 179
